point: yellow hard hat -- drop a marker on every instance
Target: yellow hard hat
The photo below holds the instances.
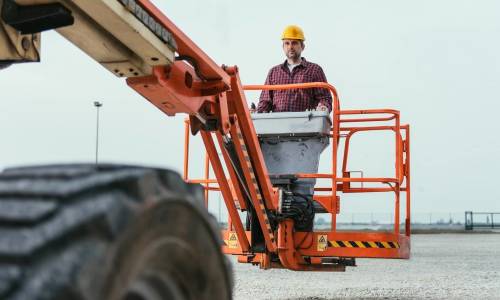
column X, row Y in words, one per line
column 293, row 32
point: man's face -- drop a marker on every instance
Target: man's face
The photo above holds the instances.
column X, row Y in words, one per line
column 292, row 49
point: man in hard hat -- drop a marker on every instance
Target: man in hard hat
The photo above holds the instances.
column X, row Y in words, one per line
column 295, row 69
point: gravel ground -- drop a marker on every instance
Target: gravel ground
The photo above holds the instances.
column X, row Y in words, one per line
column 442, row 266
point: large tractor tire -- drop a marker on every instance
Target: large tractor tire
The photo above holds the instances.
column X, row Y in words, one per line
column 109, row 232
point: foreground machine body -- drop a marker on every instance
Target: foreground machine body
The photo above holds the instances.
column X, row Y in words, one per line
column 133, row 39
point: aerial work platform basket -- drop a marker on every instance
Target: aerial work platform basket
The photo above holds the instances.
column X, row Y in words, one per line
column 301, row 137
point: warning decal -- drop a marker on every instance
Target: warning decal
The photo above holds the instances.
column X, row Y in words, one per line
column 322, row 242
column 232, row 241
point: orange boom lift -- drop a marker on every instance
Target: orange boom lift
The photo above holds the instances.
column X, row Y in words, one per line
column 163, row 65
column 308, row 251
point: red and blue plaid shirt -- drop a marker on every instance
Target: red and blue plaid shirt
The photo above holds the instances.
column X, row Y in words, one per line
column 295, row 99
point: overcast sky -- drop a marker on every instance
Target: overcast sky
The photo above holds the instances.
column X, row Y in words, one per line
column 436, row 61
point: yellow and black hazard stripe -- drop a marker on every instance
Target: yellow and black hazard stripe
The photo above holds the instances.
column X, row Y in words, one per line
column 254, row 183
column 363, row 244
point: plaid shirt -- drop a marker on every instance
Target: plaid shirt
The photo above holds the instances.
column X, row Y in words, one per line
column 295, row 99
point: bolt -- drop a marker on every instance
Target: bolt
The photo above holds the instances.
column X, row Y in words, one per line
column 25, row 43
column 168, row 105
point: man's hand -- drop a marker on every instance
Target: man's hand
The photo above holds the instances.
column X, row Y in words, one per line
column 252, row 108
column 322, row 107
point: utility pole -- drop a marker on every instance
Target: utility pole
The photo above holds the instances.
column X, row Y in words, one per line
column 97, row 105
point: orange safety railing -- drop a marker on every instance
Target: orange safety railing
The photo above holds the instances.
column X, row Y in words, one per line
column 397, row 184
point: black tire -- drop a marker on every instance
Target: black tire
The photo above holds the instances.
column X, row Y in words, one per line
column 107, row 232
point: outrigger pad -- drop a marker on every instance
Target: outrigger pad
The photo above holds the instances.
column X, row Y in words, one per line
column 30, row 19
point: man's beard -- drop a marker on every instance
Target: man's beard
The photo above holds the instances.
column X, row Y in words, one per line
column 293, row 56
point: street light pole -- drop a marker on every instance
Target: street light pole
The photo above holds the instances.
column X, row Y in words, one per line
column 97, row 104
